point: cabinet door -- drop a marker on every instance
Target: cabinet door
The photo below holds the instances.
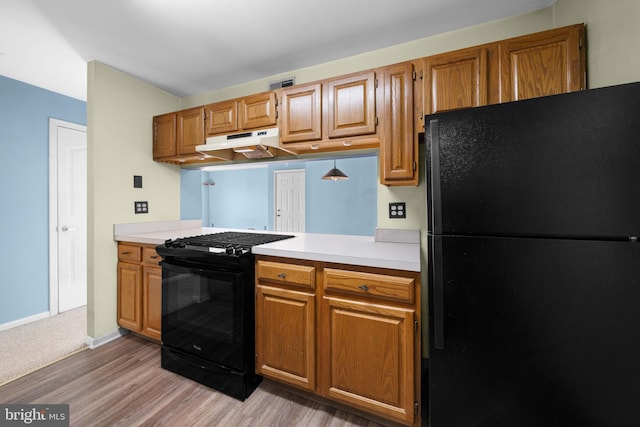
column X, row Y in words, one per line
column 398, row 149
column 258, row 110
column 541, row 64
column 456, row 80
column 372, row 358
column 301, row 113
column 130, row 296
column 221, row 117
column 285, row 336
column 164, row 135
column 351, row 107
column 190, row 130
column 152, row 301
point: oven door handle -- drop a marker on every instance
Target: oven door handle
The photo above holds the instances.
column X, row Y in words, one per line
column 200, row 267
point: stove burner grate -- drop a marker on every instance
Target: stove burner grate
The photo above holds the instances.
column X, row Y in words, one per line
column 229, row 238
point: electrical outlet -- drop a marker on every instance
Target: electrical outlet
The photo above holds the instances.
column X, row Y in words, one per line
column 141, row 207
column 397, row 210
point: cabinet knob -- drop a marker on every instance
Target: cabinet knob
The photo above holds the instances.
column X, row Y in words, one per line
column 364, row 287
column 282, row 275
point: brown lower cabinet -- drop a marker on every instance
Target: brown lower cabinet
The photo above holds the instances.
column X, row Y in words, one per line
column 346, row 333
column 285, row 332
column 139, row 289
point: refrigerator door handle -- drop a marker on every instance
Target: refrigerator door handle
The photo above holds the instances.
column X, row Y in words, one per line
column 436, row 196
column 438, row 293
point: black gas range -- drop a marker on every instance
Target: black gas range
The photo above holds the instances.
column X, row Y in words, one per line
column 208, row 318
column 234, row 243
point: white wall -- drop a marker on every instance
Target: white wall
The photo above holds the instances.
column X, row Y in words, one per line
column 119, row 123
column 613, row 35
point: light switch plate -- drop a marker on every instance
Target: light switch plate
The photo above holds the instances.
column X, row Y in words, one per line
column 397, row 210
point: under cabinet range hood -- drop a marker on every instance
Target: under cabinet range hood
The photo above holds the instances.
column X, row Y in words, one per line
column 257, row 144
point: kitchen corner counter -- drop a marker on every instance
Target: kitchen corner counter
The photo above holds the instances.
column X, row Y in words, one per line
column 155, row 233
column 337, row 248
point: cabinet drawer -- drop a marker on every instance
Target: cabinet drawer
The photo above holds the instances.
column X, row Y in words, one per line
column 131, row 253
column 300, row 275
column 394, row 288
column 150, row 256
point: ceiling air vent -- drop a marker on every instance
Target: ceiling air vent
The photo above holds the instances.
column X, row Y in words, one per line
column 282, row 83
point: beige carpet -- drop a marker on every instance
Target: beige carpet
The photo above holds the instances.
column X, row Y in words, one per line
column 26, row 348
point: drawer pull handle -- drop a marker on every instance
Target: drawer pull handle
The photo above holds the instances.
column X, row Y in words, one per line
column 282, row 275
column 154, row 257
column 364, row 287
column 126, row 253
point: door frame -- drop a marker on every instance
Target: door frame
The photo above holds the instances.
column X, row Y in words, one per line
column 54, row 124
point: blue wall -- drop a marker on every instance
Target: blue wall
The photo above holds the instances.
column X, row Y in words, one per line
column 191, row 193
column 244, row 198
column 343, row 207
column 24, row 193
column 239, row 199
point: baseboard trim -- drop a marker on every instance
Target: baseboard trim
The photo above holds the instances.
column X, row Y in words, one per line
column 24, row 321
column 97, row 342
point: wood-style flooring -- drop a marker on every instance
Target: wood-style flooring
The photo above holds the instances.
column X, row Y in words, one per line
column 122, row 384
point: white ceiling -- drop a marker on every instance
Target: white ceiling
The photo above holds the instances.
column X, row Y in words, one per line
column 194, row 46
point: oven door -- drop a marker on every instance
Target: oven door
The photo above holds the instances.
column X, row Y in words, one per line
column 204, row 311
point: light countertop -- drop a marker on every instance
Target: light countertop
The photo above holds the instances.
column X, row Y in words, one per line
column 346, row 249
column 338, row 248
column 155, row 233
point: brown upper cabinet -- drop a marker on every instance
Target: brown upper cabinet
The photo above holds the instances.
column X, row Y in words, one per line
column 221, row 117
column 332, row 114
column 235, row 115
column 301, row 113
column 398, row 150
column 456, row 80
column 175, row 135
column 351, row 105
column 542, row 64
column 164, row 136
column 189, row 130
column 385, row 107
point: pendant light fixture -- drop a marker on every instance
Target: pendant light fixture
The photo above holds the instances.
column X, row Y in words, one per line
column 335, row 173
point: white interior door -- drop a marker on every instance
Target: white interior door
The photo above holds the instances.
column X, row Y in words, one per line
column 68, row 276
column 290, row 200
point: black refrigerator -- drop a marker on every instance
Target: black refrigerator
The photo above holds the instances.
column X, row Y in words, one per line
column 534, row 262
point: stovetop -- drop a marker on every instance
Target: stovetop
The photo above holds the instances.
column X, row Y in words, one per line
column 228, row 242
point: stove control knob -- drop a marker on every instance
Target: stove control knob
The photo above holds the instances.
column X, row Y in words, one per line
column 229, row 250
column 238, row 250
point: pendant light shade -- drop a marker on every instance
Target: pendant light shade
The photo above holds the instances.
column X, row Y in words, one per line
column 335, row 173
